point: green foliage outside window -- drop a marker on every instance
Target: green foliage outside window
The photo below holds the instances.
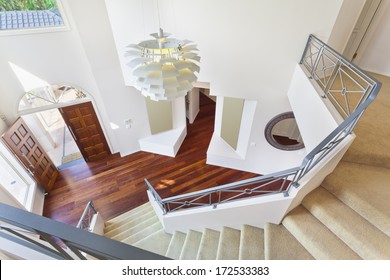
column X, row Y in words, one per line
column 22, row 5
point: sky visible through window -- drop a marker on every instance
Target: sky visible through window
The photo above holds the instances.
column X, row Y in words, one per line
column 23, row 14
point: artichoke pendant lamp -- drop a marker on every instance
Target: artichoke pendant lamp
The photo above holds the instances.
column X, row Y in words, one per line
column 163, row 68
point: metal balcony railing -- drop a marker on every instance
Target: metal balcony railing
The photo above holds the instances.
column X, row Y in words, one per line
column 349, row 89
column 62, row 241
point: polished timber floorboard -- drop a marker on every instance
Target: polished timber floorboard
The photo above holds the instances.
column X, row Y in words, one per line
column 116, row 184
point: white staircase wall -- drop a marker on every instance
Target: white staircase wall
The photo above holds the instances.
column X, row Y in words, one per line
column 313, row 117
column 254, row 212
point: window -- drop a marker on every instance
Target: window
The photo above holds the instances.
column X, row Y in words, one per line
column 50, row 95
column 30, row 14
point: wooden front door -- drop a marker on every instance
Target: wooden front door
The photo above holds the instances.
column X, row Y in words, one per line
column 84, row 125
column 30, row 153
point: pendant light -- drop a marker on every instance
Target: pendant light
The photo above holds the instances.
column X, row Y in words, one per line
column 163, row 68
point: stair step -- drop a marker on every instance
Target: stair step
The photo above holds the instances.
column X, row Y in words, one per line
column 349, row 183
column 280, row 244
column 191, row 245
column 176, row 245
column 208, row 245
column 314, row 236
column 137, row 228
column 134, row 212
column 143, row 233
column 251, row 243
column 115, row 230
column 360, row 235
column 125, row 221
column 229, row 244
column 157, row 242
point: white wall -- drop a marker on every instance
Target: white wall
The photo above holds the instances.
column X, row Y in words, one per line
column 375, row 57
column 314, row 120
column 3, row 126
column 252, row 56
column 33, row 195
column 255, row 44
column 89, row 63
column 345, row 23
column 192, row 104
column 120, row 101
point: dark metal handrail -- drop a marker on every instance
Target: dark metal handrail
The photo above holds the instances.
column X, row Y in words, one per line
column 66, row 242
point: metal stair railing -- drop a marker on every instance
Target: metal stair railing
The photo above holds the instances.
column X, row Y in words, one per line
column 331, row 71
column 65, row 242
column 86, row 218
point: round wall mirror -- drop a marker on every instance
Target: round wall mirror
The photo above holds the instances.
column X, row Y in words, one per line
column 282, row 132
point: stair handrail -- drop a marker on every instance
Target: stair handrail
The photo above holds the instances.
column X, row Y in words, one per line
column 86, row 218
column 329, row 65
column 64, row 238
column 314, row 157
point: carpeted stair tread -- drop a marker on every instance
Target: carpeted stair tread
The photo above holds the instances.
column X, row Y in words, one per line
column 251, row 243
column 128, row 219
column 229, row 244
column 313, row 235
column 208, row 245
column 137, row 228
column 143, row 233
column 372, row 145
column 130, row 214
column 365, row 189
column 280, row 244
column 176, row 245
column 191, row 245
column 360, row 235
column 157, row 242
column 117, row 229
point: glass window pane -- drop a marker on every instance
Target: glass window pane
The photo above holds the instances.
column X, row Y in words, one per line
column 49, row 95
column 23, row 14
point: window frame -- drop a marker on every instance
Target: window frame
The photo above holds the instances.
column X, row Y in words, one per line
column 37, row 30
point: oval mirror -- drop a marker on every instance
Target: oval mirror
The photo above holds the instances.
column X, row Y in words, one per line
column 282, row 132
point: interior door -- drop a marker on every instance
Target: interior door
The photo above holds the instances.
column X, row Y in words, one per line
column 84, row 125
column 366, row 16
column 27, row 149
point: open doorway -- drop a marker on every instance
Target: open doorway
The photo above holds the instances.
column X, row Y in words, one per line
column 64, row 121
column 51, row 131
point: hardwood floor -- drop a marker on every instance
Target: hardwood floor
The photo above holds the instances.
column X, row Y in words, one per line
column 116, row 184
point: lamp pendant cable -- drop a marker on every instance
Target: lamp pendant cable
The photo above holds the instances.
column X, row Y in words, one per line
column 158, row 14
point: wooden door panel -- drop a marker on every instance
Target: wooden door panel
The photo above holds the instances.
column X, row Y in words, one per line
column 30, row 153
column 82, row 121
